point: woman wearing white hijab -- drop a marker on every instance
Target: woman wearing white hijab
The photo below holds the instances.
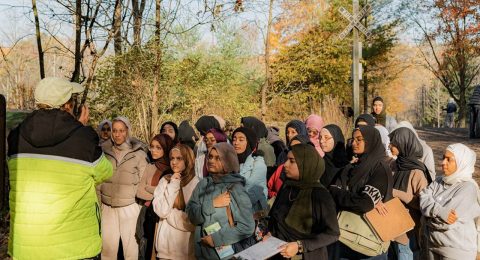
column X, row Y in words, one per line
column 451, row 204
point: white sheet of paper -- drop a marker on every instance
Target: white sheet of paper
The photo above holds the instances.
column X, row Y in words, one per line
column 261, row 250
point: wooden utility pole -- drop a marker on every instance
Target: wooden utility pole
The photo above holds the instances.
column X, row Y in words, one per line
column 356, row 26
column 356, row 64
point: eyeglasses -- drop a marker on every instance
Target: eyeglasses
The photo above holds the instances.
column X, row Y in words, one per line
column 325, row 138
column 358, row 139
column 106, row 129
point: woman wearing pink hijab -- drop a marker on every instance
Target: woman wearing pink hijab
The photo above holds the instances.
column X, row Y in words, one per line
column 314, row 126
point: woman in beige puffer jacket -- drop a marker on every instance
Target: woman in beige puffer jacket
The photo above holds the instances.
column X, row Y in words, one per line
column 119, row 207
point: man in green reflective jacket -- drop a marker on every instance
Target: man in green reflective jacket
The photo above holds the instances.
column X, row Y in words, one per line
column 55, row 163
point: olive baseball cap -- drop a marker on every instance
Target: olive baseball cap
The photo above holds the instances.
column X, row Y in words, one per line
column 55, row 92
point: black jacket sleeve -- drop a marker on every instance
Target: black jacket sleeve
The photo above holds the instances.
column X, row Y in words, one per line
column 375, row 189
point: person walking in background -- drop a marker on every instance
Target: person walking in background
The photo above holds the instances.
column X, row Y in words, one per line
column 451, row 205
column 304, row 212
column 314, row 125
column 474, row 104
column 104, row 131
column 119, row 207
column 450, row 116
column 54, row 164
column 220, row 195
column 159, row 165
column 174, row 239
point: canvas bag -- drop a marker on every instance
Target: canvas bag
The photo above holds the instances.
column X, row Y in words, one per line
column 357, row 235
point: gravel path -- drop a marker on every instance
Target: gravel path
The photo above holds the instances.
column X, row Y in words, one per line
column 440, row 138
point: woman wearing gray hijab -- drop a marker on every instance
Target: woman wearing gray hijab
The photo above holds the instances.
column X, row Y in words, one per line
column 427, row 157
column 220, row 194
column 104, row 131
column 410, row 177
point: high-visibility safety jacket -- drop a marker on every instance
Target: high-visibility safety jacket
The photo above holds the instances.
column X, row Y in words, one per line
column 55, row 164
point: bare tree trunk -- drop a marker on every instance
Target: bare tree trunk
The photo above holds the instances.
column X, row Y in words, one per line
column 267, row 62
column 137, row 12
column 154, row 125
column 117, row 28
column 78, row 39
column 39, row 40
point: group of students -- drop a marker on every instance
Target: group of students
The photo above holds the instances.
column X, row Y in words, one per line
column 184, row 197
column 249, row 185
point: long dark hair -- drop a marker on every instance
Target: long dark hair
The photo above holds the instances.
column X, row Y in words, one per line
column 166, row 143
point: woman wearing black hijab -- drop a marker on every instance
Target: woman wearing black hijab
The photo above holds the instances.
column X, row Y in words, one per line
column 379, row 111
column 409, row 179
column 333, row 144
column 170, row 128
column 365, row 184
column 264, row 148
column 186, row 134
column 203, row 124
column 304, row 212
column 252, row 167
column 363, row 119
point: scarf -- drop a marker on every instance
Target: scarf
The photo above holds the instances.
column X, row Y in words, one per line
column 465, row 159
column 299, row 126
column 229, row 160
column 220, row 137
column 368, row 161
column 315, row 122
column 336, row 159
column 256, row 124
column 186, row 176
column 367, row 118
column 408, row 159
column 179, row 202
column 273, row 135
column 175, row 128
column 206, row 123
column 252, row 143
column 311, row 167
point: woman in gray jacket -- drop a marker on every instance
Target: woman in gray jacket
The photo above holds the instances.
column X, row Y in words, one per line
column 451, row 204
column 216, row 197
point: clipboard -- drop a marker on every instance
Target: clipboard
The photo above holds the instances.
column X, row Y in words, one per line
column 397, row 221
